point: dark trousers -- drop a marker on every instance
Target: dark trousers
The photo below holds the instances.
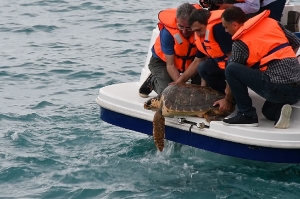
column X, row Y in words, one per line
column 240, row 77
column 276, row 9
column 213, row 75
column 158, row 69
column 196, row 79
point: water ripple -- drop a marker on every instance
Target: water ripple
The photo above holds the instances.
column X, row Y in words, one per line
column 42, row 104
column 55, row 56
column 31, row 117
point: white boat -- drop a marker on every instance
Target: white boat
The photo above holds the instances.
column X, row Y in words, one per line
column 121, row 105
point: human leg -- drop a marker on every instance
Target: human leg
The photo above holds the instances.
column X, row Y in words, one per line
column 271, row 110
column 213, row 75
column 278, row 105
column 161, row 77
column 240, row 77
column 196, row 79
column 147, row 87
column 280, row 110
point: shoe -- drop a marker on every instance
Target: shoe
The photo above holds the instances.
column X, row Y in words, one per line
column 146, row 88
column 241, row 120
column 284, row 119
column 233, row 114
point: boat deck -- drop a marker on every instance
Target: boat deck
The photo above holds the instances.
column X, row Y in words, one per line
column 123, row 98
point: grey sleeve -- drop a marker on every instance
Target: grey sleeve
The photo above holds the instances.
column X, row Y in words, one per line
column 293, row 39
column 240, row 52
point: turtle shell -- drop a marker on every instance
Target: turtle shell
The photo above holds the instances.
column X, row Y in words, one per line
column 190, row 97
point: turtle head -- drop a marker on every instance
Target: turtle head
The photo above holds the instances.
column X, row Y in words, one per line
column 152, row 104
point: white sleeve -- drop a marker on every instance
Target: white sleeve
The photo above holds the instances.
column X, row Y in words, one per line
column 249, row 6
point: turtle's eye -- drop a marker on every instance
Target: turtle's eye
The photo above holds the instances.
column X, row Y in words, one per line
column 148, row 103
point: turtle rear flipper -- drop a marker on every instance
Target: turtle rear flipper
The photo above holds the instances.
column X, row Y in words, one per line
column 214, row 115
column 159, row 130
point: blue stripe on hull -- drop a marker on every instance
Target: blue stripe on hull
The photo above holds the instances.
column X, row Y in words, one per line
column 204, row 142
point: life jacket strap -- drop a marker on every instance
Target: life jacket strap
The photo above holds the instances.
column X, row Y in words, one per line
column 257, row 65
column 277, row 48
column 222, row 58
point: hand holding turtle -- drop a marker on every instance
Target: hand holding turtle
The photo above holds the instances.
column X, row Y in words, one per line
column 224, row 105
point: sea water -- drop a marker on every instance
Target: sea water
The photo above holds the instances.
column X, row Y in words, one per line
column 55, row 55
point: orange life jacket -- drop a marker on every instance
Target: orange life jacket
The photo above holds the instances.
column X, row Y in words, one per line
column 265, row 39
column 184, row 48
column 208, row 45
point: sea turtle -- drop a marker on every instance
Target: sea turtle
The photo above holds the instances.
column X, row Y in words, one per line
column 183, row 99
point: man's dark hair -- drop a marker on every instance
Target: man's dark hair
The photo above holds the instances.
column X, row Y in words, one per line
column 201, row 16
column 234, row 14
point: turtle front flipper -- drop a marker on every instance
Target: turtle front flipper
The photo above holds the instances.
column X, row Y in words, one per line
column 159, row 129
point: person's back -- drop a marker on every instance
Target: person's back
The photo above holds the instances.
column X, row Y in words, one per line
column 261, row 41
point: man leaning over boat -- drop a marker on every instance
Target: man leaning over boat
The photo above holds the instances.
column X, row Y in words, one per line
column 214, row 45
column 264, row 60
column 173, row 50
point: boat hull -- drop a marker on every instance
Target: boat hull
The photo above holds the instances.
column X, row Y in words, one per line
column 251, row 152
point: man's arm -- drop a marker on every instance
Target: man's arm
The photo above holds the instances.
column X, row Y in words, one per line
column 171, row 68
column 190, row 71
column 228, row 94
column 225, row 42
column 167, row 46
column 226, row 103
column 294, row 41
column 240, row 52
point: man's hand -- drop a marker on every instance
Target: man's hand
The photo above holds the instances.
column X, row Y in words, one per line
column 189, row 72
column 180, row 80
column 172, row 83
column 224, row 105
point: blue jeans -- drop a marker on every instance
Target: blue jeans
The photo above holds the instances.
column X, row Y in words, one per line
column 212, row 74
column 240, row 77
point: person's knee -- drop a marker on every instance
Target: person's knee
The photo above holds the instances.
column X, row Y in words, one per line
column 206, row 68
column 228, row 70
column 231, row 69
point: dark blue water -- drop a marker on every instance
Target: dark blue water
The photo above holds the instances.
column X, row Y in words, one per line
column 55, row 55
